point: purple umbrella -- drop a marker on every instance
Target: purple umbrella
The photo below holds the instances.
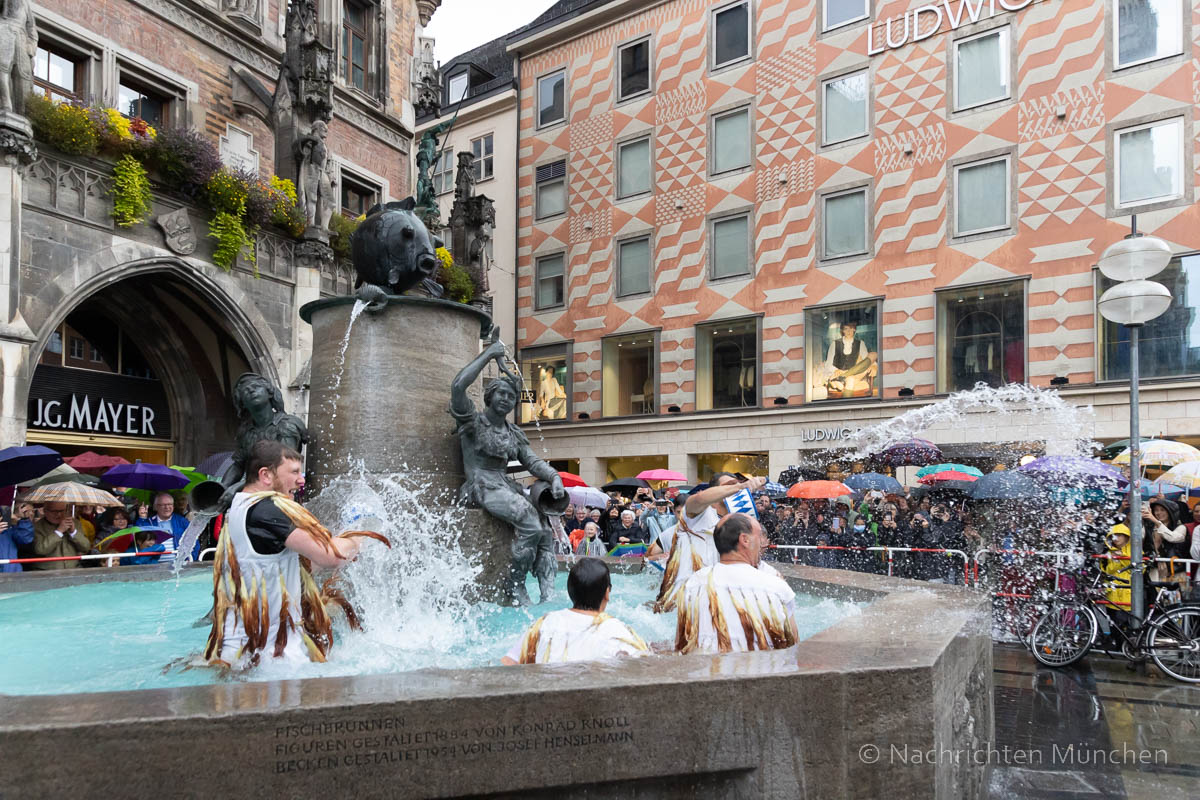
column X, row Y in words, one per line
column 1073, row 471
column 145, row 476
column 911, row 453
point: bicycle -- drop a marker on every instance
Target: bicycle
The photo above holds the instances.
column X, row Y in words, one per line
column 1170, row 634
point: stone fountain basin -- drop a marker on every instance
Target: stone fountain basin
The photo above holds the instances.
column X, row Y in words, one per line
column 911, row 673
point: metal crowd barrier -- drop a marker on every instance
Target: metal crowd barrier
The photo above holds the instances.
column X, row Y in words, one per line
column 796, row 548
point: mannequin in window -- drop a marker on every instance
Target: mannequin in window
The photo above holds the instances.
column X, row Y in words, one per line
column 850, row 365
column 551, row 397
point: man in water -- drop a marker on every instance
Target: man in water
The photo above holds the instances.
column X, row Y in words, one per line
column 690, row 541
column 734, row 606
column 580, row 633
column 265, row 599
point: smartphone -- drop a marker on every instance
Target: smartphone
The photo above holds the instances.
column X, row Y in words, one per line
column 836, row 523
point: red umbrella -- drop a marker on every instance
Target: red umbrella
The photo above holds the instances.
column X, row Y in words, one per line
column 570, row 479
column 661, row 475
column 947, row 475
column 87, row 461
column 819, row 490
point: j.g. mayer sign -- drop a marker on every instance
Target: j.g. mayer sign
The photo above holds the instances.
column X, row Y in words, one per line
column 924, row 21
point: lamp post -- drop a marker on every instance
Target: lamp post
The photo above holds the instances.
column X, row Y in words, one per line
column 1133, row 302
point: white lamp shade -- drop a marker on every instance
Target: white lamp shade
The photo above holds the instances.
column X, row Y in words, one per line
column 1135, row 259
column 1134, row 302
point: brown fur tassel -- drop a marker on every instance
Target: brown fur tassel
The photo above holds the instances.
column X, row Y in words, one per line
column 718, row 617
column 332, row 593
column 529, row 645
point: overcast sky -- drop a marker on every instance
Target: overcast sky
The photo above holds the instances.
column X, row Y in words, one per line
column 461, row 25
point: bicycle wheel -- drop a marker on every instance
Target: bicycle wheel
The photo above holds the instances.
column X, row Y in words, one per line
column 1063, row 635
column 1173, row 641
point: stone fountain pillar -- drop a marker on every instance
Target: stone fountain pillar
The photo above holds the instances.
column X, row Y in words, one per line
column 378, row 406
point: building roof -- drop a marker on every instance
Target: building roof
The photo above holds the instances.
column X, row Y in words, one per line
column 556, row 13
column 489, row 57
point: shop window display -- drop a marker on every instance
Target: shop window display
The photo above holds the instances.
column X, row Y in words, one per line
column 981, row 336
column 630, row 379
column 842, row 351
column 547, row 385
column 1170, row 344
column 727, row 365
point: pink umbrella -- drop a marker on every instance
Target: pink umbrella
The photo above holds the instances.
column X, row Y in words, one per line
column 661, row 475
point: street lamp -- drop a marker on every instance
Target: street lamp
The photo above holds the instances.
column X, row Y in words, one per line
column 1133, row 302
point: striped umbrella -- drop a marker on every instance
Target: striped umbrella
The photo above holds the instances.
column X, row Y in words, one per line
column 1160, row 453
column 74, row 494
column 1185, row 476
column 933, row 469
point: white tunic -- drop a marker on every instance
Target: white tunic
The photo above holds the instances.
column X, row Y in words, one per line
column 730, row 608
column 567, row 635
column 690, row 550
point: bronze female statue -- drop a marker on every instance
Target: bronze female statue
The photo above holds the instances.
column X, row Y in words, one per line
column 489, row 441
column 259, row 406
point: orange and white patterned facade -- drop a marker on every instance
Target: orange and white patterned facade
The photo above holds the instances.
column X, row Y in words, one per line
column 1065, row 105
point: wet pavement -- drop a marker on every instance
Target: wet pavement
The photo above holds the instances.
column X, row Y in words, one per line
column 1096, row 730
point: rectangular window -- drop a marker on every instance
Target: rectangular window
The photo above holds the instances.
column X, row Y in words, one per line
column 843, row 12
column 629, row 384
column 981, row 196
column 551, row 98
column 633, row 168
column 456, row 90
column 633, row 267
column 1169, row 345
column 634, row 61
column 357, row 196
column 981, row 336
column 731, row 141
column 551, row 190
column 78, row 347
column 443, row 172
column 981, row 69
column 731, row 246
column 1146, row 30
column 137, row 100
column 56, row 75
column 731, row 34
column 355, row 49
column 845, row 224
column 727, row 365
column 482, row 149
column 549, row 282
column 1149, row 165
column 547, row 384
column 845, row 111
column 841, row 350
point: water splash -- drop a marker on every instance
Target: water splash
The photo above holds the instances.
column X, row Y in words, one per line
column 508, row 356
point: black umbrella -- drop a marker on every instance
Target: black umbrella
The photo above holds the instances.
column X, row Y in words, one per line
column 910, row 452
column 952, row 487
column 1006, row 485
column 625, row 483
column 22, row 463
column 864, row 481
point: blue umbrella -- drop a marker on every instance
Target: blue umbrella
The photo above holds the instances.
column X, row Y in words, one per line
column 22, row 463
column 1155, row 488
column 145, row 476
column 864, row 481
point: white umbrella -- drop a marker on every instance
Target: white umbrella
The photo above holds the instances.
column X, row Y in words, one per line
column 59, row 471
column 587, row 496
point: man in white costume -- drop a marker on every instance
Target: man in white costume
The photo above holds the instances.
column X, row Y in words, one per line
column 583, row 632
column 690, row 541
column 734, row 606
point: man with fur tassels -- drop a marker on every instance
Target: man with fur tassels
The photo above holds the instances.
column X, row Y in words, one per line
column 265, row 601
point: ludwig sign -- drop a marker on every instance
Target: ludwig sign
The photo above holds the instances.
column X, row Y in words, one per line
column 82, row 401
column 924, row 21
column 835, row 433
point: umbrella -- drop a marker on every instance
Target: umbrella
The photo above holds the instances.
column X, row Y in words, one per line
column 145, row 476
column 22, row 463
column 1185, row 475
column 626, row 483
column 71, row 477
column 73, row 493
column 61, row 469
column 587, row 496
column 630, row 549
column 1073, row 471
column 1111, row 451
column 215, row 465
column 772, row 489
column 1160, row 453
column 819, row 490
column 119, row 541
column 87, row 461
column 661, row 475
column 864, row 481
column 936, row 468
column 947, row 476
column 953, row 486
column 1155, row 488
column 1006, row 484
column 570, row 479
column 910, row 453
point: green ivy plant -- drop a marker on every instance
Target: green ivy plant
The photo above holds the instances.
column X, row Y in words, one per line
column 130, row 192
column 232, row 238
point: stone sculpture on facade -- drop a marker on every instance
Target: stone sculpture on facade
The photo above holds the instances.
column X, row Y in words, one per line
column 178, row 233
column 18, row 43
column 489, row 441
column 393, row 252
column 472, row 222
column 426, row 83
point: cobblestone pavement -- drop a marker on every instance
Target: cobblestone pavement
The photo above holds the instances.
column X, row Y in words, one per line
column 1096, row 730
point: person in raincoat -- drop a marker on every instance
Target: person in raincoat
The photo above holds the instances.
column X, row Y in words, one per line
column 1115, row 564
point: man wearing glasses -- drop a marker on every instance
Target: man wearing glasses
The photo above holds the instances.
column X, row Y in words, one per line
column 163, row 517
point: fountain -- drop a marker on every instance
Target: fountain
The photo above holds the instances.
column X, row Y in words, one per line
column 882, row 662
